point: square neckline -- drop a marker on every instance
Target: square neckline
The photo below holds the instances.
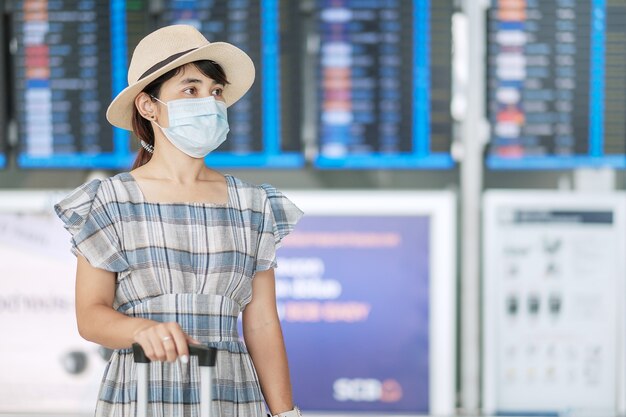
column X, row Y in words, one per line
column 142, row 197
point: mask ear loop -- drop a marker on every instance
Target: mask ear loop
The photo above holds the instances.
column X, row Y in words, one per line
column 153, row 120
column 153, row 97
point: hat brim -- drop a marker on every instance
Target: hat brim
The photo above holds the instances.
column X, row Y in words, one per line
column 237, row 66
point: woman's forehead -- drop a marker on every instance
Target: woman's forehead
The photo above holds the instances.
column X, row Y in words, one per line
column 190, row 71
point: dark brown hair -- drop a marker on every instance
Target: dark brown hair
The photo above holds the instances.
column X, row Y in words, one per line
column 142, row 128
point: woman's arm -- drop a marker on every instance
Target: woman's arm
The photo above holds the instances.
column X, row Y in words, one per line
column 98, row 322
column 264, row 339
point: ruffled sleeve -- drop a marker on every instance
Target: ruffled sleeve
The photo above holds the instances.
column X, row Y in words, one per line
column 278, row 219
column 84, row 214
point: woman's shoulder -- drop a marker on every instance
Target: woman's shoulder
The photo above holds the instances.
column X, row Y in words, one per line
column 101, row 190
column 252, row 192
column 77, row 205
column 266, row 198
column 240, row 183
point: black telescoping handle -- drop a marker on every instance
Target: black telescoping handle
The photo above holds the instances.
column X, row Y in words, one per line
column 206, row 355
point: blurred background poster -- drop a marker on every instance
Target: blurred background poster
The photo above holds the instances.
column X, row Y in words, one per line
column 354, row 293
column 46, row 366
column 554, row 300
column 355, row 309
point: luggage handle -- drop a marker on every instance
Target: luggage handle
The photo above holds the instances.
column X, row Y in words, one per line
column 206, row 355
column 206, row 359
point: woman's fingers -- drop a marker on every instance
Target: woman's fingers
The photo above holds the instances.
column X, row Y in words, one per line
column 147, row 347
column 179, row 339
column 165, row 342
column 155, row 336
column 151, row 347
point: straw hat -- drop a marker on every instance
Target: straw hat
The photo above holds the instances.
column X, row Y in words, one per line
column 171, row 47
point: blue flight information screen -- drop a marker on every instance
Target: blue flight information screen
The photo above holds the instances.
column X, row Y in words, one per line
column 264, row 131
column 73, row 57
column 557, row 84
column 384, row 84
column 63, row 84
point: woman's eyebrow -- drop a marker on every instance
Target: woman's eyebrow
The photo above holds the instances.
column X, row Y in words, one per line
column 190, row 81
column 196, row 81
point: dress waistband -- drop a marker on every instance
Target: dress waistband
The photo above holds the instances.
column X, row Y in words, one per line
column 208, row 318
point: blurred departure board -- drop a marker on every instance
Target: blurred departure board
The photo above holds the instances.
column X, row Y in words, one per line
column 73, row 57
column 557, row 84
column 63, row 84
column 58, row 79
column 384, row 83
column 131, row 21
column 264, row 127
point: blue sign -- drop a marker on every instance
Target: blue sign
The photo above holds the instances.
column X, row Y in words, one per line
column 353, row 297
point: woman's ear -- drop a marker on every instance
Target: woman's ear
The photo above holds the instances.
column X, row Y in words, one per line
column 145, row 106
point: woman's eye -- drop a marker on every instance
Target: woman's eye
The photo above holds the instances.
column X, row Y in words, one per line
column 217, row 92
column 189, row 90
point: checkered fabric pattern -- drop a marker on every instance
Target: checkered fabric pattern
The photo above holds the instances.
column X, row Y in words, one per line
column 192, row 263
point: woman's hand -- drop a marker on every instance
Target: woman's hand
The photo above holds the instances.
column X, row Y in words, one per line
column 164, row 342
column 98, row 322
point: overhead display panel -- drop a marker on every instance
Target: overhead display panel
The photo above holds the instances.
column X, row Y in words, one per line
column 384, row 80
column 55, row 75
column 63, row 83
column 73, row 57
column 264, row 124
column 557, row 84
column 131, row 20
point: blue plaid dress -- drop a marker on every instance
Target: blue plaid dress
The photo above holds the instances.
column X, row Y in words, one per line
column 192, row 263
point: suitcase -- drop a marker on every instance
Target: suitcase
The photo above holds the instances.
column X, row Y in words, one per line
column 206, row 360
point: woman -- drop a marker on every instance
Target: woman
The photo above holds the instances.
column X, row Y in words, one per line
column 171, row 252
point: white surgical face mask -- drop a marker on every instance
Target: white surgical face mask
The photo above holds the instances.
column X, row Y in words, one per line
column 197, row 125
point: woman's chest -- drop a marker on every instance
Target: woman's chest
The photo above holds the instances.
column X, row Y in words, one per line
column 188, row 232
